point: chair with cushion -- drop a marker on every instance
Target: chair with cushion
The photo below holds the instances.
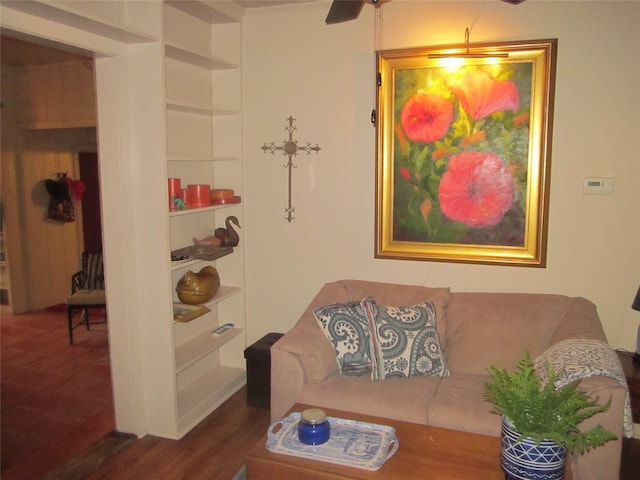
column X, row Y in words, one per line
column 87, row 291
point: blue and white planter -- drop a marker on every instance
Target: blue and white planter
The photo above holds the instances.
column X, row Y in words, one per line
column 526, row 460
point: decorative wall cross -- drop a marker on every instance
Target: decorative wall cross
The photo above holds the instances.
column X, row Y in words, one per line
column 290, row 148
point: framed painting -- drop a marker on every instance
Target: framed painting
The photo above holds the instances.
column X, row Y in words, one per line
column 463, row 152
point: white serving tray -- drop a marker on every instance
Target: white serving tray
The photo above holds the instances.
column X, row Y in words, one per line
column 353, row 444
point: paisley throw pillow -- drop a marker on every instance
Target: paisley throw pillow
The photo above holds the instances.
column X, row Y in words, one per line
column 346, row 327
column 404, row 341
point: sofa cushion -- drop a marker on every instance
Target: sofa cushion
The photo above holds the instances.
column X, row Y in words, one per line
column 405, row 399
column 495, row 328
column 460, row 405
column 404, row 341
column 346, row 327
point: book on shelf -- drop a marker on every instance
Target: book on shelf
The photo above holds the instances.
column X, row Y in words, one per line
column 185, row 313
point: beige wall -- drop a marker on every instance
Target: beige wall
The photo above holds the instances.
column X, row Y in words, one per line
column 323, row 75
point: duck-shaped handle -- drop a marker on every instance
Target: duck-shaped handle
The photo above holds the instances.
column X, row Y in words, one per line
column 228, row 235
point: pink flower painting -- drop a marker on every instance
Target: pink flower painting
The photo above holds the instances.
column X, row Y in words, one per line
column 460, row 152
column 481, row 95
column 476, row 189
column 426, row 117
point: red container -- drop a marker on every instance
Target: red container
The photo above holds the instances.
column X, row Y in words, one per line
column 186, row 197
column 200, row 195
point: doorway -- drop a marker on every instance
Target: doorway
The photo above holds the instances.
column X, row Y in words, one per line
column 36, row 343
column 49, row 114
column 120, row 60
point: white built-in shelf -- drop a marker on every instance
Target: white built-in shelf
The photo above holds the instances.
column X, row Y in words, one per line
column 190, row 211
column 214, row 12
column 66, row 14
column 202, row 46
column 186, row 108
column 204, row 395
column 197, row 59
column 199, row 109
column 188, row 263
column 201, row 346
column 202, row 159
column 199, row 392
column 223, row 292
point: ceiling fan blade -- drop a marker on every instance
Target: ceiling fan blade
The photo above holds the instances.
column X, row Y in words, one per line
column 344, row 10
column 513, row 2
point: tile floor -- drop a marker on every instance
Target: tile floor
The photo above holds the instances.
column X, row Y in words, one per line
column 56, row 398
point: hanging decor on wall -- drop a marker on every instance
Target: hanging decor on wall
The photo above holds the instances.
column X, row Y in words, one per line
column 65, row 193
column 463, row 152
column 290, row 148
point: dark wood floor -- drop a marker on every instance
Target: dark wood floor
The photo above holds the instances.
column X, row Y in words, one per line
column 215, row 449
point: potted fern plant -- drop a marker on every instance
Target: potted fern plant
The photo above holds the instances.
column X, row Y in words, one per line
column 540, row 422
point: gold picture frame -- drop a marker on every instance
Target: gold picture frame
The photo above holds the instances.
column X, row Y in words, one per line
column 463, row 151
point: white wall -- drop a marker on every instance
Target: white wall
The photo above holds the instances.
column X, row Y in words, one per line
column 323, row 75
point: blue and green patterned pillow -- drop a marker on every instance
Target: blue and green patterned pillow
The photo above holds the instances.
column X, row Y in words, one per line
column 346, row 327
column 404, row 341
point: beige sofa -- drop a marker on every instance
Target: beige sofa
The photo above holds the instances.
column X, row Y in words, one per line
column 475, row 330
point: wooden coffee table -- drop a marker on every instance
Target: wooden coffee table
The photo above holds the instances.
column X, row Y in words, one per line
column 425, row 452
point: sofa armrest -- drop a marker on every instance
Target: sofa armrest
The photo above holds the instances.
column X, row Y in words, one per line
column 302, row 355
column 287, row 378
column 602, row 463
column 580, row 321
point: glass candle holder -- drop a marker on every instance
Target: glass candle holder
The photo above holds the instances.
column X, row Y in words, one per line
column 313, row 428
column 174, row 192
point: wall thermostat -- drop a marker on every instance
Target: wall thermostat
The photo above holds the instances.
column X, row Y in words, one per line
column 597, row 186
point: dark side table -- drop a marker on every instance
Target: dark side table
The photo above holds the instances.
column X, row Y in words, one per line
column 258, row 358
column 629, row 466
column 631, row 368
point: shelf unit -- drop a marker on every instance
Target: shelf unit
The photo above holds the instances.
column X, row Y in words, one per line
column 203, row 104
column 68, row 13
